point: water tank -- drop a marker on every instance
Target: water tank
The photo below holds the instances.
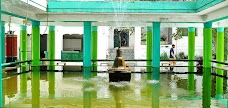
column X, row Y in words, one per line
column 11, row 48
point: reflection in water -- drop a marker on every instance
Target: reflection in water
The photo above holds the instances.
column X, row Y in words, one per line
column 11, row 85
column 206, row 88
column 51, row 79
column 36, row 87
column 117, row 92
column 219, row 83
column 86, row 85
column 155, row 95
column 80, row 89
column 23, row 83
column 156, row 73
column 191, row 81
column 155, row 88
column 3, row 93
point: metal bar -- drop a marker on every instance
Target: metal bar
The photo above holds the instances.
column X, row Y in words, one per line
column 12, row 63
column 214, row 61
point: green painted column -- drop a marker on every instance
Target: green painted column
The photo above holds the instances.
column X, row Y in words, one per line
column 156, row 45
column 156, row 95
column 35, row 43
column 23, row 46
column 206, row 98
column 220, row 58
column 191, row 56
column 51, row 56
column 149, row 49
column 87, row 44
column 23, row 85
column 51, row 45
column 35, row 87
column 23, row 53
column 94, row 46
column 3, row 40
column 207, row 44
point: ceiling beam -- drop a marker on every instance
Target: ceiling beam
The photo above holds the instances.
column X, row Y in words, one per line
column 126, row 24
column 20, row 9
column 217, row 15
column 120, row 17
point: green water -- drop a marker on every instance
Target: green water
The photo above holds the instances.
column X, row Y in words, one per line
column 84, row 90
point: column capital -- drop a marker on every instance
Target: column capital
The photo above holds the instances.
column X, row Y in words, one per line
column 148, row 28
column 23, row 27
column 94, row 28
column 52, row 28
column 191, row 29
column 35, row 23
column 207, row 25
column 220, row 29
column 87, row 23
column 156, row 24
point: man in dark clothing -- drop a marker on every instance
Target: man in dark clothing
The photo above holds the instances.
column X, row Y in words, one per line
column 172, row 56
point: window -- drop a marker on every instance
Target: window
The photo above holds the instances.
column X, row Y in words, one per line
column 123, row 35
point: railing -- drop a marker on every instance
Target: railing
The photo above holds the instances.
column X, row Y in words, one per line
column 111, row 61
column 15, row 63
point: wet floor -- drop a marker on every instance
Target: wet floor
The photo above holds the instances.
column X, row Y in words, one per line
column 93, row 90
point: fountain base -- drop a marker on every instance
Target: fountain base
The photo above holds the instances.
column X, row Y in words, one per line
column 119, row 75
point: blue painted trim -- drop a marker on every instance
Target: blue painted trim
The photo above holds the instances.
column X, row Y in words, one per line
column 18, row 16
column 2, row 52
column 3, row 40
column 219, row 19
column 220, row 29
column 94, row 28
column 35, row 23
column 208, row 25
column 204, row 4
column 156, row 44
column 111, row 10
column 23, row 27
column 191, row 29
column 92, row 6
column 52, row 28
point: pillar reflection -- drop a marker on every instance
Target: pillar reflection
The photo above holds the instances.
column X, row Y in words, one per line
column 86, row 93
column 206, row 98
column 35, row 87
column 51, row 80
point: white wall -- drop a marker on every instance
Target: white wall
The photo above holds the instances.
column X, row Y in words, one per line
column 105, row 40
column 60, row 31
column 138, row 47
column 182, row 44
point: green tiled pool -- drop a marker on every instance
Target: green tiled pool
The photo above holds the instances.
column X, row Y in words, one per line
column 83, row 90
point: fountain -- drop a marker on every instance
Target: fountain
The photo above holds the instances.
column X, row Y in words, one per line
column 119, row 70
